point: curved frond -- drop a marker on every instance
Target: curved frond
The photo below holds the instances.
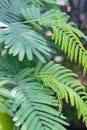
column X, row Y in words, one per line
column 21, row 41
column 65, row 84
column 64, row 34
column 33, row 103
column 70, row 43
column 53, row 76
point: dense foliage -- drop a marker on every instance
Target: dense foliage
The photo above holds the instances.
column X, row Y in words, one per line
column 32, row 91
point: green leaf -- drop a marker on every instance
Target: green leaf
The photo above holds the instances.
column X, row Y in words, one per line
column 21, row 40
column 39, row 109
column 69, row 42
column 64, row 83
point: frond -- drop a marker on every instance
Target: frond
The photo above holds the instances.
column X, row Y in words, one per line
column 62, row 81
column 65, row 84
column 64, row 34
column 33, row 103
column 31, row 13
column 35, row 15
column 22, row 40
column 70, row 43
column 10, row 10
column 34, row 96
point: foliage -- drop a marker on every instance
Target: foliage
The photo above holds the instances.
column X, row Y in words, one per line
column 31, row 90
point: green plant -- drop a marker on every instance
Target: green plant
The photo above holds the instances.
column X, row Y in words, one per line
column 31, row 90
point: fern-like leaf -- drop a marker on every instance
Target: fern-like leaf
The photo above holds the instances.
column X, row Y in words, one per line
column 10, row 10
column 65, row 84
column 34, row 15
column 38, row 103
column 70, row 43
column 62, row 81
column 22, row 40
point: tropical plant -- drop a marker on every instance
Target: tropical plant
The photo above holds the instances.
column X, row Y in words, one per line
column 32, row 91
